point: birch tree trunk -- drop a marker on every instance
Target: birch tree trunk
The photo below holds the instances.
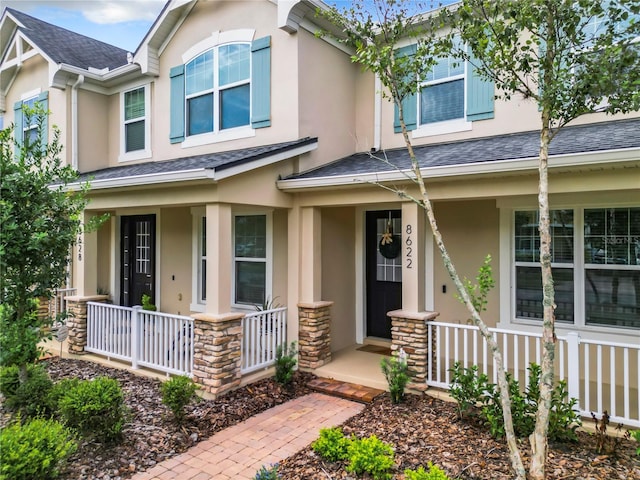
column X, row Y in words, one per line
column 538, row 438
column 514, row 451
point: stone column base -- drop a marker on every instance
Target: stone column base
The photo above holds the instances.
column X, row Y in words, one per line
column 77, row 321
column 314, row 335
column 409, row 332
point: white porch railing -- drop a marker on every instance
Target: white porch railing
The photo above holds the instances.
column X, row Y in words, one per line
column 59, row 301
column 159, row 341
column 262, row 333
column 601, row 375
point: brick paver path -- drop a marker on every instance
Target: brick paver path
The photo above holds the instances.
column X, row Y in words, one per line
column 239, row 451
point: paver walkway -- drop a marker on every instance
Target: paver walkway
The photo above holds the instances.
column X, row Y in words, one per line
column 239, row 451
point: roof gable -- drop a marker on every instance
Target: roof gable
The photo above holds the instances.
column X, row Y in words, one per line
column 64, row 46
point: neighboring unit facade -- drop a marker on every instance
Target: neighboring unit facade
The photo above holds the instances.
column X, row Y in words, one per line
column 231, row 151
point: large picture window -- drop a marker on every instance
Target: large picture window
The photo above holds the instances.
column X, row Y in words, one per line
column 598, row 287
column 217, row 89
column 250, row 259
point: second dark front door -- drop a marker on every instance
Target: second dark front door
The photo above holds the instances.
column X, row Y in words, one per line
column 138, row 254
column 383, row 271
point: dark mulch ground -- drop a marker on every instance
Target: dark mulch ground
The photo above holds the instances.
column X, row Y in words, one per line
column 421, row 429
column 426, row 429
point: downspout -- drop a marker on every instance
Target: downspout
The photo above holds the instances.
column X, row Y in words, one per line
column 74, row 121
column 377, row 115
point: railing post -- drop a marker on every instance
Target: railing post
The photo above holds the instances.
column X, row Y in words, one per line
column 135, row 335
column 573, row 365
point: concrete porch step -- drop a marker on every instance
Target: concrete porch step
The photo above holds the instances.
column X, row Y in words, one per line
column 350, row 391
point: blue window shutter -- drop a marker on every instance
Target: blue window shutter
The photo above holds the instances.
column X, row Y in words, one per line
column 480, row 94
column 409, row 102
column 17, row 122
column 176, row 134
column 43, row 101
column 261, row 82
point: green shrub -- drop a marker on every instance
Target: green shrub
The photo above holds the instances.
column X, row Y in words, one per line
column 471, row 390
column 270, row 473
column 635, row 434
column 434, row 473
column 285, row 363
column 177, row 393
column 467, row 387
column 146, row 303
column 31, row 398
column 332, row 445
column 372, row 456
column 95, row 408
column 36, row 450
column 396, row 372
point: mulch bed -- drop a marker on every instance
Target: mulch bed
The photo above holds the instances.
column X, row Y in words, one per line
column 421, row 429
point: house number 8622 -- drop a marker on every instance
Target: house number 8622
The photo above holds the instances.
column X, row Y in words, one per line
column 408, row 246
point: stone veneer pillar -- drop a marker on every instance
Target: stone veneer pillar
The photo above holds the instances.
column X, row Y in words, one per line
column 314, row 334
column 409, row 332
column 217, row 347
column 77, row 321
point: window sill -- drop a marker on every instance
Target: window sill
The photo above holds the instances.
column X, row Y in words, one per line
column 217, row 137
column 590, row 332
column 442, row 128
column 137, row 155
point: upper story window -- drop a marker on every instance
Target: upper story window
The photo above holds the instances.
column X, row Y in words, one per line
column 442, row 92
column 135, row 124
column 27, row 121
column 450, row 97
column 223, row 90
column 218, row 89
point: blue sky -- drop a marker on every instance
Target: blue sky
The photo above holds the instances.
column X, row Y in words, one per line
column 119, row 22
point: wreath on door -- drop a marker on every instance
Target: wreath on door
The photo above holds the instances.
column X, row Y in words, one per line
column 389, row 245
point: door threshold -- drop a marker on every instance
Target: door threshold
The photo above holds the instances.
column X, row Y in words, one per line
column 379, row 341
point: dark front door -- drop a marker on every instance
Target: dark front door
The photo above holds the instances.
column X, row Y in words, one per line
column 384, row 270
column 138, row 254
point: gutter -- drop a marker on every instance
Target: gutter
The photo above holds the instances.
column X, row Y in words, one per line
column 478, row 168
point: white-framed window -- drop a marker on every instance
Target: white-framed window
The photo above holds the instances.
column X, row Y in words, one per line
column 442, row 92
column 135, row 131
column 218, row 89
column 199, row 263
column 251, row 258
column 596, row 266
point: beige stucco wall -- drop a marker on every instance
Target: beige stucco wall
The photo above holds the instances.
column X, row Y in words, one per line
column 338, row 273
column 280, row 257
column 471, row 231
column 174, row 243
column 327, row 108
column 93, row 131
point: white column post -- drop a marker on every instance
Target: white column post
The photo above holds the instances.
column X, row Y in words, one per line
column 135, row 335
column 573, row 365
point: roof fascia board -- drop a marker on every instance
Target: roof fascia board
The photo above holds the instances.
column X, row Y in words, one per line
column 263, row 162
column 500, row 166
column 57, row 78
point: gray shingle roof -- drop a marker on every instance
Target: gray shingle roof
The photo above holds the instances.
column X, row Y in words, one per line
column 210, row 161
column 65, row 46
column 619, row 134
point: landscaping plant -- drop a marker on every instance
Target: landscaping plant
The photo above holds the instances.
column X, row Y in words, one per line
column 177, row 393
column 36, row 450
column 467, row 387
column 635, row 434
column 396, row 371
column 372, row 456
column 30, row 398
column 267, row 473
column 95, row 408
column 434, row 473
column 285, row 363
column 332, row 445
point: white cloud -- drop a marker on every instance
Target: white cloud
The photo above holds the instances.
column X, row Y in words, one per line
column 99, row 11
